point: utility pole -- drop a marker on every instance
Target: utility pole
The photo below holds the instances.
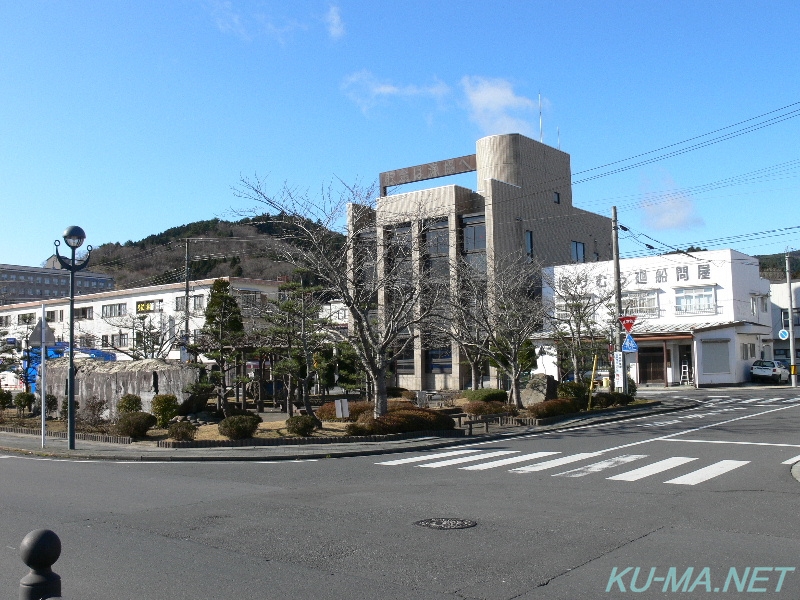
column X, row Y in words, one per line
column 186, row 296
column 792, row 355
column 620, row 337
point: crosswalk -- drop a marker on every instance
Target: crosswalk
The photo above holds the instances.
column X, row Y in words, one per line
column 472, row 459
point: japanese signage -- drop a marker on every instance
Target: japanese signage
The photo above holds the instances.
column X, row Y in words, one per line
column 442, row 168
column 673, row 274
column 627, row 322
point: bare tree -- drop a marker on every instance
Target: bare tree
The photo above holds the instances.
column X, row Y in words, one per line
column 372, row 264
column 150, row 336
column 496, row 313
column 579, row 305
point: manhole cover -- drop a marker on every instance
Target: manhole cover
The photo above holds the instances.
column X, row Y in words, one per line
column 446, row 523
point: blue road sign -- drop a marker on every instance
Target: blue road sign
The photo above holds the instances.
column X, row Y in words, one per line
column 629, row 345
column 783, row 334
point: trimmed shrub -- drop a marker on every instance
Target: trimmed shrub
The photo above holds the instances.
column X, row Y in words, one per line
column 395, row 392
column 486, row 395
column 183, row 431
column 401, row 420
column 327, row 412
column 192, row 405
column 302, row 425
column 164, row 407
column 579, row 392
column 485, row 408
column 129, row 403
column 239, row 427
column 408, row 395
column 602, row 400
column 6, row 399
column 632, row 387
column 621, row 399
column 135, row 424
column 65, row 407
column 50, row 403
column 553, row 408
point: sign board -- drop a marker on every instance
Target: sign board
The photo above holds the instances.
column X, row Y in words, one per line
column 441, row 168
column 629, row 345
column 35, row 338
column 617, row 369
column 11, row 341
column 627, row 322
column 342, row 408
column 783, row 334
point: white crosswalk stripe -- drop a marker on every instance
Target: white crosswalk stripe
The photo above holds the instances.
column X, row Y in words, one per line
column 657, row 467
column 507, row 461
column 413, row 459
column 556, row 462
column 708, row 472
column 601, row 466
column 463, row 459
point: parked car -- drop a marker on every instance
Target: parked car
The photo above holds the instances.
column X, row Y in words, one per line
column 774, row 370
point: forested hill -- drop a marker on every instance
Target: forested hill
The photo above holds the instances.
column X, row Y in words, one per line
column 217, row 248
column 773, row 266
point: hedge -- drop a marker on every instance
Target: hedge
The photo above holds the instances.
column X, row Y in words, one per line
column 486, row 395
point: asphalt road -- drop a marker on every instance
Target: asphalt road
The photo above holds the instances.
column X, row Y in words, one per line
column 565, row 514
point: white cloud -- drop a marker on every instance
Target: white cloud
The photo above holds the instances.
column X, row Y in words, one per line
column 676, row 212
column 366, row 90
column 228, row 19
column 334, row 22
column 496, row 108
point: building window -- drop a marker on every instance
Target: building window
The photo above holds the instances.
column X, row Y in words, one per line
column 578, row 252
column 764, row 304
column 404, row 362
column 529, row 244
column 54, row 315
column 695, row 301
column 437, row 246
column 748, row 351
column 82, row 314
column 114, row 310
column 26, row 319
column 556, row 198
column 119, row 340
column 439, row 360
column 785, row 318
column 643, row 304
column 5, row 321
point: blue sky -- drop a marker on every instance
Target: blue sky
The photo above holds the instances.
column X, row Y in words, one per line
column 128, row 118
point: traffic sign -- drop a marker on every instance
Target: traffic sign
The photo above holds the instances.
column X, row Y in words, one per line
column 783, row 334
column 629, row 345
column 627, row 322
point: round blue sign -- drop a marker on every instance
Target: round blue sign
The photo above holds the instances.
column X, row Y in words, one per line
column 783, row 334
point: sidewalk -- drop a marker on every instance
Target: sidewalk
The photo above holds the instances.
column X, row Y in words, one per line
column 671, row 399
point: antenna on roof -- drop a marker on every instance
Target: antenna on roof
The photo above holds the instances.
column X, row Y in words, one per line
column 558, row 133
column 541, row 137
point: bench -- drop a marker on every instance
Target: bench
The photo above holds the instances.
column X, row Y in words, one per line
column 469, row 424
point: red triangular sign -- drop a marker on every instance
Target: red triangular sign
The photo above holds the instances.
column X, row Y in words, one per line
column 627, row 322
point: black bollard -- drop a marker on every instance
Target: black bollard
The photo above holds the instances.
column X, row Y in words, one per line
column 40, row 550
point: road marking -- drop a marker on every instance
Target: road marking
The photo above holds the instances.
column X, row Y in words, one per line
column 556, row 462
column 657, row 467
column 750, row 400
column 413, row 459
column 708, row 472
column 791, row 461
column 736, row 443
column 601, row 466
column 507, row 461
column 463, row 459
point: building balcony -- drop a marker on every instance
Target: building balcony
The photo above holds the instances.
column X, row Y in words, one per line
column 685, row 311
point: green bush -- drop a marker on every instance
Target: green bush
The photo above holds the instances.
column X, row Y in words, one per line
column 478, row 408
column 401, row 420
column 302, row 425
column 192, row 405
column 579, row 392
column 239, row 427
column 92, row 414
column 183, row 431
column 135, row 424
column 395, row 392
column 486, row 395
column 23, row 401
column 65, row 408
column 6, row 399
column 129, row 403
column 50, row 403
column 631, row 387
column 552, row 408
column 164, row 407
column 327, row 412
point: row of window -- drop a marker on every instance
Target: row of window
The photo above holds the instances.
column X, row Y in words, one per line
column 79, row 281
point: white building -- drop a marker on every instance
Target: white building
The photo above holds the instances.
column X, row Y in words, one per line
column 779, row 293
column 701, row 318
column 122, row 320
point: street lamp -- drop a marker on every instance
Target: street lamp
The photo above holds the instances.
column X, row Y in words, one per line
column 73, row 237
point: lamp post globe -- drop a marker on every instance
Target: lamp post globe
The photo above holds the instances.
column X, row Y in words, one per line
column 74, row 236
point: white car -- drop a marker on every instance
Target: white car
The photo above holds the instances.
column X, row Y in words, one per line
column 774, row 370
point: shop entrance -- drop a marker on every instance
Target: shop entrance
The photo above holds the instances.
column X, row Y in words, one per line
column 651, row 365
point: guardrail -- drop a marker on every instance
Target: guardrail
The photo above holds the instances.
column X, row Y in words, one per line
column 40, row 550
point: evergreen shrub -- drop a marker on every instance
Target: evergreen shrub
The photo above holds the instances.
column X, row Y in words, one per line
column 302, row 425
column 129, row 403
column 164, row 407
column 239, row 427
column 135, row 424
column 479, row 408
column 486, row 395
column 552, row 408
column 183, row 431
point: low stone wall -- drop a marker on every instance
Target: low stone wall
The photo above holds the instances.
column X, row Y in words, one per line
column 110, row 381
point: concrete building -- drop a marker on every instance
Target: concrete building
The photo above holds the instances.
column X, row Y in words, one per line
column 522, row 205
column 779, row 293
column 115, row 321
column 702, row 319
column 23, row 284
